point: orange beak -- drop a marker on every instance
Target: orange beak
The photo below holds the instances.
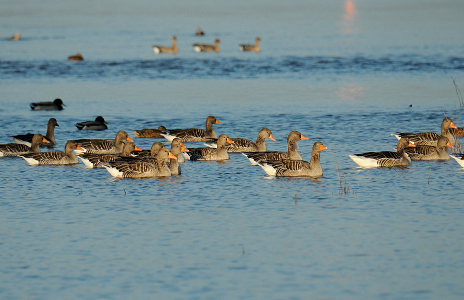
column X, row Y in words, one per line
column 411, row 144
column 272, row 138
column 449, row 145
column 137, row 149
column 80, row 148
column 218, row 122
column 322, row 147
column 452, row 125
column 304, row 137
column 172, row 156
column 129, row 139
column 182, row 144
column 44, row 140
column 230, row 141
column 183, row 149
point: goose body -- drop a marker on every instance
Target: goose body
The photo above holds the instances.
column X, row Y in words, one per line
column 459, row 159
column 385, row 159
column 425, row 152
column 194, row 134
column 76, row 57
column 245, row 145
column 68, row 157
column 57, row 104
column 430, row 138
column 219, row 153
column 165, row 49
column 91, row 160
column 207, row 47
column 98, row 124
column 102, row 146
column 150, row 132
column 14, row 149
column 254, row 48
column 26, row 139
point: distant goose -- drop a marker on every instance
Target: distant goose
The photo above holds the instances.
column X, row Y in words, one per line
column 245, row 145
column 255, row 47
column 150, row 133
column 102, row 146
column 459, row 131
column 26, row 139
column 16, row 37
column 13, row 149
column 68, row 157
column 199, row 32
column 76, row 57
column 459, row 158
column 165, row 49
column 57, row 104
column 194, row 134
column 296, row 168
column 149, row 153
column 91, row 160
column 425, row 152
column 206, row 47
column 385, row 159
column 219, row 153
column 430, row 138
column 292, row 138
column 98, row 124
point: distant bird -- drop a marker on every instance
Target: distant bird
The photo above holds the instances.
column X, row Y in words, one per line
column 219, row 153
column 431, row 138
column 57, row 104
column 98, row 124
column 13, row 149
column 165, row 49
column 92, row 160
column 206, row 47
column 246, row 145
column 150, row 133
column 386, row 159
column 102, row 146
column 194, row 134
column 68, row 157
column 16, row 37
column 255, row 47
column 26, row 139
column 199, row 32
column 76, row 57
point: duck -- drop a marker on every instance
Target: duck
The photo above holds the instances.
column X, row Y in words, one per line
column 430, row 138
column 98, row 124
column 102, row 146
column 255, row 47
column 207, row 47
column 387, row 159
column 26, row 139
column 199, row 32
column 165, row 49
column 292, row 138
column 150, row 132
column 14, row 149
column 208, row 154
column 16, row 37
column 76, row 57
column 425, row 152
column 91, row 160
column 57, row 104
column 296, row 168
column 194, row 134
column 68, row 157
column 245, row 145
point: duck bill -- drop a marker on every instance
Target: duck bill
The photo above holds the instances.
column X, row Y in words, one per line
column 322, row 147
column 230, row 141
column 304, row 137
column 218, row 122
column 272, row 138
column 172, row 156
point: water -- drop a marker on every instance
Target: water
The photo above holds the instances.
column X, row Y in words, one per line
column 347, row 73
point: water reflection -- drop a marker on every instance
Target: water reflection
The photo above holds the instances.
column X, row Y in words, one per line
column 348, row 24
column 350, row 92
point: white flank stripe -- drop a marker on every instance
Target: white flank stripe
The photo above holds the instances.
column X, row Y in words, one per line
column 88, row 164
column 458, row 160
column 168, row 137
column 30, row 161
column 364, row 162
column 268, row 169
column 114, row 172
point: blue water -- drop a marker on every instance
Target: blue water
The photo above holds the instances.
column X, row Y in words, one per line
column 348, row 73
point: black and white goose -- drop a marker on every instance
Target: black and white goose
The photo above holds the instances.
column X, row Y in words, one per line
column 194, row 134
column 430, row 138
column 91, row 160
column 387, row 159
column 13, row 149
column 57, row 104
column 102, row 146
column 425, row 152
column 219, row 153
column 26, row 139
column 246, row 145
column 68, row 157
column 98, row 124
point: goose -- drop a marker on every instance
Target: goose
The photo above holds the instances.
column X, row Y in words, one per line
column 57, row 104
column 150, row 133
column 98, row 124
column 165, row 49
column 199, row 32
column 14, row 149
column 142, row 169
column 459, row 131
column 292, row 138
column 386, row 159
column 92, row 160
column 68, row 157
column 26, row 139
column 255, row 47
column 16, row 37
column 149, row 153
column 101, row 146
column 296, row 168
column 176, row 149
column 459, row 158
column 206, row 47
column 425, row 152
column 194, row 134
column 245, row 145
column 219, row 153
column 430, row 138
column 76, row 57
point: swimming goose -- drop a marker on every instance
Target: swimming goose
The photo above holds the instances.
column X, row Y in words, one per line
column 245, row 145
column 206, row 47
column 14, row 149
column 219, row 153
column 150, row 133
column 176, row 149
column 430, row 138
column 165, row 49
column 68, row 157
column 194, row 134
column 459, row 131
column 459, row 158
column 149, row 153
column 57, row 104
column 425, row 152
column 76, row 57
column 199, row 32
column 102, row 146
column 254, row 47
column 16, row 37
column 92, row 160
column 26, row 139
column 386, row 159
column 98, row 124
column 292, row 138
column 296, row 168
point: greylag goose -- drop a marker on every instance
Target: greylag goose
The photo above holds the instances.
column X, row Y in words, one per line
column 194, row 134
column 57, row 104
column 459, row 131
column 68, row 157
column 176, row 149
column 150, row 153
column 165, row 49
column 143, row 169
column 26, row 139
column 245, row 145
column 425, row 152
column 150, row 132
column 292, row 138
column 15, row 37
column 14, row 149
column 98, row 124
column 296, row 168
column 91, row 160
column 430, row 138
column 385, row 159
column 76, row 57
column 219, row 153
column 206, row 47
column 459, row 158
column 101, row 146
column 254, row 47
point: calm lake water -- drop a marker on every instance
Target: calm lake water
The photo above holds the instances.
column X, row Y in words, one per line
column 347, row 73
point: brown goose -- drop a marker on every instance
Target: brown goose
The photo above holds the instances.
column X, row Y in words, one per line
column 194, row 134
column 165, row 49
column 92, row 160
column 386, row 159
column 206, row 47
column 101, row 146
column 296, row 168
column 292, row 138
column 13, row 149
column 255, row 47
column 219, row 153
column 68, row 157
column 424, row 152
column 57, row 104
column 176, row 149
column 98, row 124
column 199, row 32
column 76, row 57
column 430, row 138
column 245, row 145
column 16, row 37
column 26, row 139
column 150, row 132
